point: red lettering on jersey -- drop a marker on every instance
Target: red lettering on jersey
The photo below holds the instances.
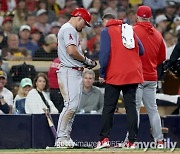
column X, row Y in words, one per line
column 79, row 43
column 70, row 37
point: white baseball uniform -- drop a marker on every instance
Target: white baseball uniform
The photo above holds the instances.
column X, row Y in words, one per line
column 69, row 79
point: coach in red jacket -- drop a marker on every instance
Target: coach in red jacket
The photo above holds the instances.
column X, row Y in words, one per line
column 154, row 54
column 120, row 69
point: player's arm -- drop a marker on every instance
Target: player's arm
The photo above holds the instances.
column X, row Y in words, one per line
column 73, row 52
column 104, row 53
column 141, row 47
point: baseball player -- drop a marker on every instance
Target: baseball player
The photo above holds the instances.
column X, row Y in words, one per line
column 154, row 55
column 70, row 73
column 121, row 70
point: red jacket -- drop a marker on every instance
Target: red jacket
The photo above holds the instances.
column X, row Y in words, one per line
column 154, row 49
column 124, row 65
column 52, row 75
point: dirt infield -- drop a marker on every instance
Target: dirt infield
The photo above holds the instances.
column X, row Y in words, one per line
column 86, row 151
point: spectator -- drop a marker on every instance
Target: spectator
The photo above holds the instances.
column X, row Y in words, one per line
column 55, row 94
column 52, row 5
column 5, row 31
column 42, row 21
column 176, row 26
column 6, row 96
column 124, row 3
column 155, row 5
column 13, row 52
column 112, row 7
column 70, row 5
column 37, row 99
column 11, row 5
column 55, row 26
column 43, row 4
column 48, row 50
column 31, row 20
column 122, row 14
column 25, row 42
column 161, row 23
column 170, row 12
column 170, row 42
column 37, row 37
column 135, row 3
column 20, row 15
column 92, row 99
column 175, row 54
column 3, row 5
column 3, row 66
column 97, row 28
column 131, row 15
column 19, row 100
column 94, row 19
column 31, row 5
column 63, row 18
column 97, row 4
column 95, row 51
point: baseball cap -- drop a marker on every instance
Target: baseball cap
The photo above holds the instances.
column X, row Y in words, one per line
column 144, row 11
column 25, row 27
column 3, row 74
column 6, row 19
column 160, row 18
column 171, row 4
column 176, row 19
column 51, row 38
column 41, row 11
column 26, row 82
column 55, row 24
column 35, row 30
column 108, row 16
column 93, row 11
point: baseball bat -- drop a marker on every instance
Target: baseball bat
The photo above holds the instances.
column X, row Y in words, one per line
column 53, row 130
column 50, row 122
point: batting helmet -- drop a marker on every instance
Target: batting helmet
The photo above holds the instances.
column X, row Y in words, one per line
column 82, row 13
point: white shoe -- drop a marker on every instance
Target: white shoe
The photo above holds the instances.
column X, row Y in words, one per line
column 65, row 144
column 160, row 144
column 129, row 145
column 103, row 144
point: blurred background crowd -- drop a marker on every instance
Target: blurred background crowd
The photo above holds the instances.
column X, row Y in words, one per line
column 28, row 28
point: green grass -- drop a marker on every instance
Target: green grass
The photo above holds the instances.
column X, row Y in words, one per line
column 109, row 149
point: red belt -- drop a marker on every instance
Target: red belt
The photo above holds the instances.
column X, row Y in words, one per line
column 78, row 68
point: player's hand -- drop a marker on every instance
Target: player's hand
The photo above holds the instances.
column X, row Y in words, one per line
column 89, row 63
column 101, row 80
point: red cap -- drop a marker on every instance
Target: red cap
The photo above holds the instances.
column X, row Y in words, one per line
column 35, row 30
column 144, row 11
column 6, row 19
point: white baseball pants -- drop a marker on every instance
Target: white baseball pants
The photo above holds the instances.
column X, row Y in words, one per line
column 70, row 82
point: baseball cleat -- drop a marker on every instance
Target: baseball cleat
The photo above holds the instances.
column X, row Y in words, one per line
column 103, row 144
column 64, row 144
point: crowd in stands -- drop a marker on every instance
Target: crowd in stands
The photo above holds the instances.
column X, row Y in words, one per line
column 29, row 28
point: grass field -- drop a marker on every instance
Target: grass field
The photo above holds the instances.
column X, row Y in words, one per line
column 87, row 151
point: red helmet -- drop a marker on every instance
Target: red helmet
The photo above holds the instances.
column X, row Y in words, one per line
column 82, row 13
